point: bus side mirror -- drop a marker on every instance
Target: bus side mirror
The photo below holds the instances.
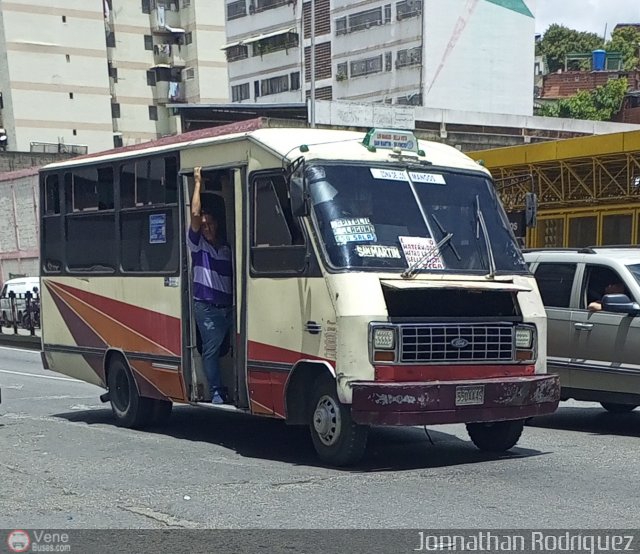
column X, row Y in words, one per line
column 530, row 209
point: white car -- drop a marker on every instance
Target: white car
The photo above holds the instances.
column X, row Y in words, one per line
column 593, row 338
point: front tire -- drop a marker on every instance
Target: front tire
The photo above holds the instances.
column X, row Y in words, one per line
column 616, row 408
column 129, row 408
column 498, row 436
column 337, row 439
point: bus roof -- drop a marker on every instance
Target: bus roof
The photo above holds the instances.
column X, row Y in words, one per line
column 323, row 144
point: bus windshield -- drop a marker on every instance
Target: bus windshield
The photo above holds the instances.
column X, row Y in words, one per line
column 427, row 219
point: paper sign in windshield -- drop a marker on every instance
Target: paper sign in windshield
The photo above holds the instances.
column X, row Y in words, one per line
column 423, row 250
column 433, row 178
column 389, row 174
column 353, row 229
column 377, row 251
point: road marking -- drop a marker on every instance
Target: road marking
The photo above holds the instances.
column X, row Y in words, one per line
column 39, row 376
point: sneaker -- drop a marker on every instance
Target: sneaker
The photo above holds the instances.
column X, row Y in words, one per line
column 217, row 399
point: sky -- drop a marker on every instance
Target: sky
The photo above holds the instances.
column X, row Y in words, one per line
column 586, row 15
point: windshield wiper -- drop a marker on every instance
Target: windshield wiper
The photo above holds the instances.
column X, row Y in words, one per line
column 433, row 216
column 481, row 224
column 410, row 271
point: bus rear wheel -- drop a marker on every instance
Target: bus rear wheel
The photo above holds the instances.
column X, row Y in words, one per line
column 498, row 436
column 338, row 440
column 129, row 408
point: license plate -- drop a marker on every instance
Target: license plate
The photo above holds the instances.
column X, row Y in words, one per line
column 470, row 395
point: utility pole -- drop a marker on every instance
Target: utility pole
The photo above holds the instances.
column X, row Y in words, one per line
column 312, row 92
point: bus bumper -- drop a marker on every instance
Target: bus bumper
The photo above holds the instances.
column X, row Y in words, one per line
column 469, row 401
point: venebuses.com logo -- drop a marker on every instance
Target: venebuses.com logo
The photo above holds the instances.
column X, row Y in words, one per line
column 18, row 541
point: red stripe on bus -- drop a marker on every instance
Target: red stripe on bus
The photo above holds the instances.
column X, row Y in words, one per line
column 160, row 328
column 259, row 351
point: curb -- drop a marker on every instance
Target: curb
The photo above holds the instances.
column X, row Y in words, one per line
column 20, row 341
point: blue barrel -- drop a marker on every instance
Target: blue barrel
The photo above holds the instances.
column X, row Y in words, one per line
column 599, row 60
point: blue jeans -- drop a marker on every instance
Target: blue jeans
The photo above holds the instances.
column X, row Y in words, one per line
column 213, row 324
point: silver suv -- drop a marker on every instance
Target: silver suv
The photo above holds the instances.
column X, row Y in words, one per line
column 591, row 296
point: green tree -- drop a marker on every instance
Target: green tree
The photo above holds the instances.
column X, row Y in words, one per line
column 558, row 41
column 600, row 104
column 626, row 40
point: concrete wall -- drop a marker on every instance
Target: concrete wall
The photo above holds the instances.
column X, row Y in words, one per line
column 19, row 230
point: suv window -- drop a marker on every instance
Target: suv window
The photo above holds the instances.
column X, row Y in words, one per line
column 555, row 282
column 596, row 280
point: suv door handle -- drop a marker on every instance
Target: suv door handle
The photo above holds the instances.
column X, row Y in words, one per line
column 583, row 326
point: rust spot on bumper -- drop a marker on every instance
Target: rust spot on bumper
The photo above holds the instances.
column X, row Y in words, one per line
column 385, row 403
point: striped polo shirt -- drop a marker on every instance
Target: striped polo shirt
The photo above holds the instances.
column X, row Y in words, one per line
column 212, row 270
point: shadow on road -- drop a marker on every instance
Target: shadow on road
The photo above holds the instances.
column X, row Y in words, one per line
column 388, row 449
column 590, row 419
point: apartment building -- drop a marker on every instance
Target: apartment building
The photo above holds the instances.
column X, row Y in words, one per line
column 472, row 55
column 85, row 75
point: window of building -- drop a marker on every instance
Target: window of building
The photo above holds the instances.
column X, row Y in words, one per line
column 236, row 9
column 409, row 57
column 256, row 89
column 555, row 282
column 146, row 6
column 414, row 99
column 186, row 3
column 64, row 19
column 239, row 52
column 75, row 132
column 148, row 42
column 117, row 141
column 262, row 5
column 342, row 71
column 387, row 13
column 275, row 44
column 274, row 85
column 364, row 20
column 67, row 57
column 616, row 229
column 295, row 80
column 583, row 231
column 366, row 66
column 388, row 63
column 341, row 26
column 188, row 38
column 189, row 73
column 115, row 110
column 408, row 8
column 153, row 113
column 111, row 39
column 240, row 92
column 113, row 72
column 151, row 78
column 71, row 96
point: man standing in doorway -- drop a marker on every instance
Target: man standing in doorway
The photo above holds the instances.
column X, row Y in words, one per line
column 212, row 282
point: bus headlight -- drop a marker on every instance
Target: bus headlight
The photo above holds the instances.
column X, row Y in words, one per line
column 384, row 339
column 524, row 337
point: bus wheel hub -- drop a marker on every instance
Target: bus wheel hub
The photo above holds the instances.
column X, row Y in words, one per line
column 326, row 420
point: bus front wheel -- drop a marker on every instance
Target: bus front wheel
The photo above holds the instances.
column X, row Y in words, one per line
column 498, row 436
column 129, row 408
column 337, row 439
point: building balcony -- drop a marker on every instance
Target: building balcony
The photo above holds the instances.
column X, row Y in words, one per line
column 168, row 54
column 169, row 92
column 165, row 21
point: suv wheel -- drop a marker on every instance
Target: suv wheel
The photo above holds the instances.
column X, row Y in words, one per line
column 615, row 408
